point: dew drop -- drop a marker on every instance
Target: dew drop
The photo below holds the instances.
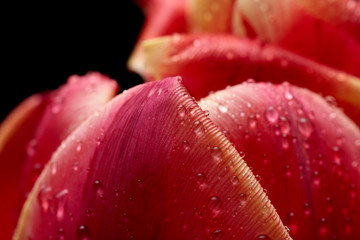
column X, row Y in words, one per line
column 235, row 180
column 305, row 128
column 186, row 146
column 181, row 111
column 262, row 237
column 31, row 147
column 99, row 188
column 201, row 180
column 252, row 121
column 217, row 234
column 216, row 153
column 323, row 228
column 78, row 147
column 284, row 126
column 284, row 143
column 223, row 108
column 316, row 179
column 83, row 233
column 242, row 199
column 215, row 204
column 271, row 114
column 44, row 198
column 198, row 127
column 60, row 199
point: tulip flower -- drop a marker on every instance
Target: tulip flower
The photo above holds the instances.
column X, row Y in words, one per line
column 239, row 132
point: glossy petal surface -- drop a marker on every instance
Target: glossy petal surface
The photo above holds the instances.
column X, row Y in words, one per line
column 211, row 62
column 211, row 17
column 326, row 31
column 152, row 166
column 162, row 17
column 306, row 152
column 15, row 133
column 66, row 109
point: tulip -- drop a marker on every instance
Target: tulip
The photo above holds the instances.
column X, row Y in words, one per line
column 199, row 151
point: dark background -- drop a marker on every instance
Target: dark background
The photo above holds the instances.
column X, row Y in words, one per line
column 44, row 44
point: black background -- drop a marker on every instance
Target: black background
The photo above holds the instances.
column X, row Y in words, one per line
column 44, row 44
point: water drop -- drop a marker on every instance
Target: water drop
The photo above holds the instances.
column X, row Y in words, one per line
column 271, row 114
column 99, row 188
column 215, row 204
column 284, row 142
column 217, row 234
column 78, row 147
column 305, row 127
column 201, row 180
column 284, row 126
column 76, row 166
column 242, row 199
column 316, row 179
column 44, row 198
column 262, row 237
column 216, row 153
column 198, row 127
column 223, row 108
column 185, row 146
column 181, row 111
column 56, row 105
column 323, row 228
column 31, row 147
column 258, row 178
column 252, row 121
column 235, row 180
column 60, row 199
column 83, row 233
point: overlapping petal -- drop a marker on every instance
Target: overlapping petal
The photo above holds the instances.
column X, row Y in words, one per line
column 36, row 128
column 325, row 31
column 15, row 133
column 306, row 152
column 211, row 62
column 162, row 17
column 151, row 166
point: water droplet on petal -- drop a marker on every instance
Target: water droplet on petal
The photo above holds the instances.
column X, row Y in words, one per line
column 216, row 154
column 217, row 234
column 201, row 180
column 284, row 126
column 262, row 237
column 223, row 108
column 181, row 111
column 305, row 127
column 271, row 114
column 99, row 188
column 83, row 233
column 215, row 204
column 44, row 198
column 198, row 127
column 60, row 199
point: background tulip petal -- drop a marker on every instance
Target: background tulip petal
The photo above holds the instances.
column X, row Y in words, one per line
column 15, row 133
column 66, row 108
column 211, row 17
column 162, row 17
column 292, row 25
column 306, row 152
column 212, row 62
column 152, row 166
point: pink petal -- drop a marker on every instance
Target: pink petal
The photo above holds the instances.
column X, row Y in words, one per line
column 66, row 109
column 162, row 17
column 323, row 31
column 152, row 166
column 306, row 152
column 15, row 133
column 212, row 62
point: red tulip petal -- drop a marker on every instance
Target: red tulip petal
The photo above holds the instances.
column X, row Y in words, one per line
column 212, row 17
column 66, row 109
column 211, row 62
column 306, row 152
column 162, row 17
column 151, row 166
column 290, row 25
column 15, row 133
